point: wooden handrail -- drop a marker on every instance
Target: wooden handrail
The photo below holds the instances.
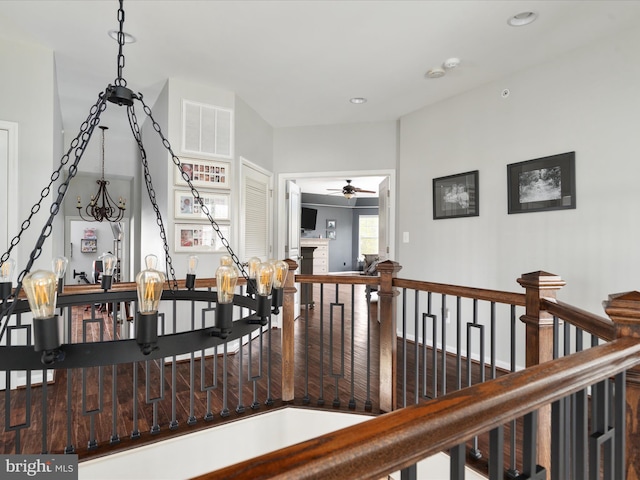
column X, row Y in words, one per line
column 601, row 327
column 458, row 291
column 403, row 437
column 340, row 279
column 455, row 290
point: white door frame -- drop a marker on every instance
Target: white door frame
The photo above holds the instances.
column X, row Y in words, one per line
column 281, row 203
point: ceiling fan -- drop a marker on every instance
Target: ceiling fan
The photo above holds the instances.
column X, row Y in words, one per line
column 350, row 191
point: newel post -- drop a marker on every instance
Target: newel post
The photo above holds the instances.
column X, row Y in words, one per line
column 388, row 341
column 539, row 343
column 288, row 333
column 624, row 311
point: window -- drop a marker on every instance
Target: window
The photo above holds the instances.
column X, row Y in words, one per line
column 367, row 234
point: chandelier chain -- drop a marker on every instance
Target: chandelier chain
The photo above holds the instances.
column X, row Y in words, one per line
column 196, row 195
column 120, row 81
column 78, row 146
column 135, row 129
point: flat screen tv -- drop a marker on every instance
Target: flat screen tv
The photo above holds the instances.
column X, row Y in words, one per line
column 308, row 219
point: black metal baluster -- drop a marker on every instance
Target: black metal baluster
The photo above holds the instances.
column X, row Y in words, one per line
column 352, row 400
column 444, row 316
column 173, row 424
column 530, row 469
column 475, row 451
column 404, row 347
column 559, row 450
column 620, row 440
column 332, row 371
column 306, row 400
column 416, row 349
column 496, row 453
column 192, row 420
column 456, row 462
column 321, row 397
column 458, row 343
column 512, row 471
column 368, row 404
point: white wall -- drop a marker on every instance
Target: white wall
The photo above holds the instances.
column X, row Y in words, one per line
column 585, row 102
column 27, row 98
column 326, row 148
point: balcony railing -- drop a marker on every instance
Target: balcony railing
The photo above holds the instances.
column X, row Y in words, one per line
column 446, row 359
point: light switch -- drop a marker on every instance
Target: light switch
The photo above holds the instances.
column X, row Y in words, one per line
column 405, row 237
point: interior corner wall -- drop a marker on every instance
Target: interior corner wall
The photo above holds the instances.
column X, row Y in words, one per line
column 158, row 159
column 27, row 98
column 253, row 136
column 586, row 101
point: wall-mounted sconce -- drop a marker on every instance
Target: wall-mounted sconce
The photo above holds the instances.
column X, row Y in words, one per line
column 190, row 281
column 226, row 280
column 149, row 283
column 59, row 266
column 41, row 288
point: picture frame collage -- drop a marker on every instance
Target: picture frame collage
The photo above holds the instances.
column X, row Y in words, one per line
column 193, row 231
column 541, row 184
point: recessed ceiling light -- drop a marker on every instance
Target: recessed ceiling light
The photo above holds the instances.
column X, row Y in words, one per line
column 523, row 18
column 358, row 100
column 435, row 72
column 128, row 38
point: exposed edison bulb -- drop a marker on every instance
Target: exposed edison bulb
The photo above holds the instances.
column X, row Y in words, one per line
column 109, row 261
column 226, row 278
column 59, row 266
column 150, row 283
column 192, row 264
column 151, row 261
column 253, row 264
column 226, row 260
column 281, row 268
column 41, row 288
column 6, row 270
column 264, row 278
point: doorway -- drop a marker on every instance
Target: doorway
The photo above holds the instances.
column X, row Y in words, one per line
column 319, row 178
column 87, row 241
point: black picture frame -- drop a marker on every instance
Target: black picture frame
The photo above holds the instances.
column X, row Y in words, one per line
column 456, row 196
column 546, row 183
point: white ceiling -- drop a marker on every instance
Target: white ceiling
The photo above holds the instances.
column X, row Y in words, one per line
column 299, row 62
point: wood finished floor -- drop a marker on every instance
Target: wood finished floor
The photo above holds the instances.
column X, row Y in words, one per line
column 328, row 394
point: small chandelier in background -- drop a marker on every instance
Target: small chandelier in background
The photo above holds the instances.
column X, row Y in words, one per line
column 101, row 206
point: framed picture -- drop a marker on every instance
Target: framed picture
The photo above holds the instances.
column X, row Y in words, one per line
column 199, row 237
column 88, row 245
column 203, row 173
column 331, row 224
column 456, row 196
column 331, row 234
column 185, row 205
column 547, row 183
